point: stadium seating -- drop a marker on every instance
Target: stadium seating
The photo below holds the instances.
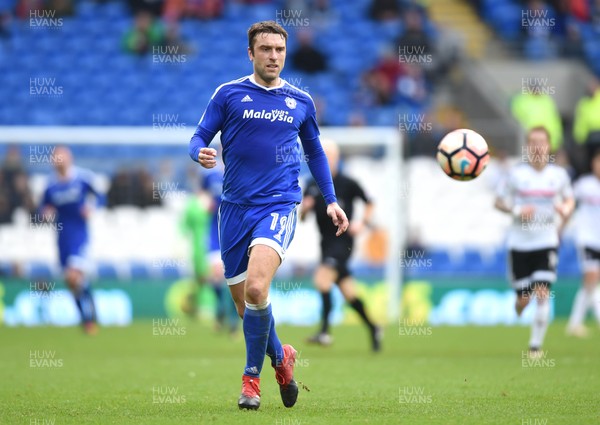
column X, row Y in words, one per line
column 103, row 85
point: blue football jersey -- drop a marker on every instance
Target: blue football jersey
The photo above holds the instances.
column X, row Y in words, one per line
column 68, row 198
column 259, row 133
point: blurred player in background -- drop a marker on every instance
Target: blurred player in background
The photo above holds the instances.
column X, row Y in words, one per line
column 533, row 193
column 66, row 202
column 260, row 117
column 336, row 251
column 212, row 185
column 587, row 195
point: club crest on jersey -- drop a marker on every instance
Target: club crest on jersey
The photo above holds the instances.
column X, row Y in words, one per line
column 290, row 102
column 273, row 115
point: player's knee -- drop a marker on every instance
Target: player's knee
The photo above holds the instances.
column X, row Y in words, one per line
column 523, row 299
column 542, row 291
column 256, row 292
column 73, row 279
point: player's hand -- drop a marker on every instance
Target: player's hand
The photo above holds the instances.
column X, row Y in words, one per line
column 525, row 213
column 563, row 210
column 338, row 216
column 48, row 215
column 207, row 157
column 85, row 212
column 356, row 227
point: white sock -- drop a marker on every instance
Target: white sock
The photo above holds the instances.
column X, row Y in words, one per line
column 580, row 306
column 595, row 301
column 540, row 323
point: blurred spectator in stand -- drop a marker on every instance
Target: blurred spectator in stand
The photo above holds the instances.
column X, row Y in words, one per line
column 136, row 188
column 414, row 40
column 572, row 45
column 307, row 57
column 379, row 83
column 321, row 107
column 595, row 14
column 173, row 39
column 535, row 107
column 146, row 193
column 412, row 87
column 174, row 10
column 121, row 189
column 62, row 8
column 586, row 125
column 14, row 188
column 580, row 9
column 5, row 21
column 539, row 23
column 317, row 12
column 145, row 34
column 384, row 10
column 23, row 8
column 416, row 45
column 154, row 7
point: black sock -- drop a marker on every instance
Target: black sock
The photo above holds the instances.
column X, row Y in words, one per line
column 358, row 306
column 326, row 298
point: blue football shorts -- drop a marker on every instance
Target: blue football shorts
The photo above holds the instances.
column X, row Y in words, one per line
column 243, row 226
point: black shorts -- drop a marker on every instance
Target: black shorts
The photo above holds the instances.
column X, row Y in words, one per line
column 590, row 259
column 335, row 253
column 531, row 268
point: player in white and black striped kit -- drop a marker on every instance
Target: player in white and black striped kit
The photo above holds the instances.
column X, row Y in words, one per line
column 587, row 195
column 539, row 197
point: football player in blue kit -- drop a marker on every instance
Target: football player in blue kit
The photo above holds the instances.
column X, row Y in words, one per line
column 65, row 202
column 212, row 183
column 260, row 118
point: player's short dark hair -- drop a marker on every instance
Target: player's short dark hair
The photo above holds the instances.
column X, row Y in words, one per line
column 264, row 27
column 539, row 128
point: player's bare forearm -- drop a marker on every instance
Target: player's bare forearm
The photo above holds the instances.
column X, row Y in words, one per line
column 368, row 215
column 501, row 206
column 565, row 209
column 338, row 216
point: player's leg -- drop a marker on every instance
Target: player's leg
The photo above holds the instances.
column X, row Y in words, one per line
column 587, row 295
column 348, row 288
column 81, row 290
column 323, row 278
column 544, row 262
column 226, row 307
column 272, row 235
column 250, row 262
column 519, row 269
column 541, row 318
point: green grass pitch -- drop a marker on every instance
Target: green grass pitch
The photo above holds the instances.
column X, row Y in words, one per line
column 445, row 375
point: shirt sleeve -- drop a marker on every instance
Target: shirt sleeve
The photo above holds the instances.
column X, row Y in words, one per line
column 360, row 193
column 578, row 190
column 567, row 189
column 210, row 124
column 317, row 160
column 505, row 190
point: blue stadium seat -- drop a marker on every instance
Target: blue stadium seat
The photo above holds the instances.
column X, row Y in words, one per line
column 38, row 270
column 106, row 271
column 139, row 271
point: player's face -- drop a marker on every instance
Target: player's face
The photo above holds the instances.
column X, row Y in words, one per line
column 268, row 57
column 596, row 165
column 539, row 147
column 61, row 159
